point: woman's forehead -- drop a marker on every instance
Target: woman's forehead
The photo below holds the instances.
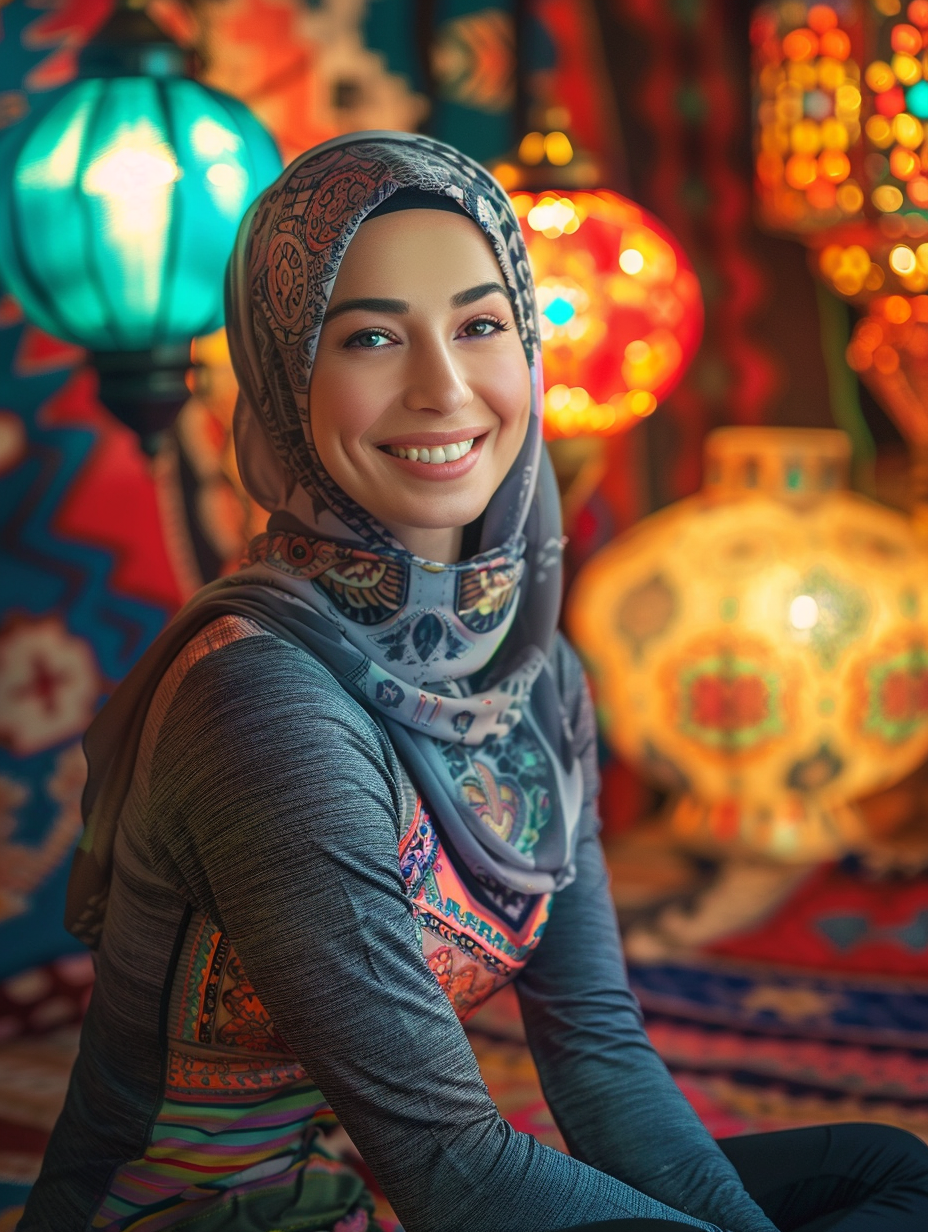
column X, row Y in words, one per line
column 423, row 249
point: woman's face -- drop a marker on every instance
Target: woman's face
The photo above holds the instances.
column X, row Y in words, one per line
column 420, row 392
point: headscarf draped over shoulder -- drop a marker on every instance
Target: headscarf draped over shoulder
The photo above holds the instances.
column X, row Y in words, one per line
column 453, row 661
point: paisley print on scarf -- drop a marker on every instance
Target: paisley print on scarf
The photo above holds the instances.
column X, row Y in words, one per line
column 346, row 190
column 422, row 639
column 298, row 555
column 507, row 785
column 497, row 801
column 365, row 588
column 287, row 278
column 485, row 596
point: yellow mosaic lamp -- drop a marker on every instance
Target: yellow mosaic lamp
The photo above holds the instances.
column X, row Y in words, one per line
column 760, row 649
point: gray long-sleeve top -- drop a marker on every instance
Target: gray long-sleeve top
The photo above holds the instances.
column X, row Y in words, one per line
column 275, row 806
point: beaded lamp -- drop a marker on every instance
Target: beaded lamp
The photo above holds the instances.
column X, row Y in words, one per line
column 841, row 162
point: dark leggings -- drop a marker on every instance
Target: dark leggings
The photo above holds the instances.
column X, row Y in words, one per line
column 828, row 1178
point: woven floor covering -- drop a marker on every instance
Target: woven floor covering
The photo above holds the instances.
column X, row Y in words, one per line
column 778, row 997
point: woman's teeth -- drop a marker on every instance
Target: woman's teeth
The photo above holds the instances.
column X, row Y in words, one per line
column 437, row 453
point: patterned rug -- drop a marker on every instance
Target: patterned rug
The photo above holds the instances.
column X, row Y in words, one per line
column 806, row 1000
column 753, row 1050
column 781, row 996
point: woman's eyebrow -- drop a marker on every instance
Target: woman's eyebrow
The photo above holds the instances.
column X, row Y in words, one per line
column 400, row 306
column 474, row 293
column 368, row 305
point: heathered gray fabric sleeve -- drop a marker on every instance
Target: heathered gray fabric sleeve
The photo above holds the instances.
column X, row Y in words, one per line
column 610, row 1093
column 275, row 808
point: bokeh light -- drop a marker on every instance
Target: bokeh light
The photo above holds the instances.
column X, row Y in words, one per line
column 841, row 144
column 619, row 305
column 889, row 351
column 808, row 111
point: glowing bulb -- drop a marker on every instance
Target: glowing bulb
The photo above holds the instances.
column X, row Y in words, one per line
column 803, row 613
column 638, row 352
column 559, row 311
column 229, row 184
column 131, row 174
column 134, row 180
column 640, row 402
column 224, row 175
column 532, row 148
column 210, row 139
column 552, row 216
column 887, row 198
column 850, row 198
column 558, row 149
column 902, row 259
column 908, row 131
column 557, row 397
column 631, row 261
column 879, row 76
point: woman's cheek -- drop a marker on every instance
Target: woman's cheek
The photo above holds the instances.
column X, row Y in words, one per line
column 348, row 407
column 507, row 386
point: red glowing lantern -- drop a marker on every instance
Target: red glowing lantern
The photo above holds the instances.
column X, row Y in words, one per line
column 620, row 308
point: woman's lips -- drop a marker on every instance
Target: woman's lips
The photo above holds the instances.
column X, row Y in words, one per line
column 440, row 470
column 426, row 438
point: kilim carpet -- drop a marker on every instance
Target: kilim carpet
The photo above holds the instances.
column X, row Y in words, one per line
column 803, row 999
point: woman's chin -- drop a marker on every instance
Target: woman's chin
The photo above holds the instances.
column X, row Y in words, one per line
column 423, row 521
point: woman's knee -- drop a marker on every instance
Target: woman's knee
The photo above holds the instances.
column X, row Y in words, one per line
column 884, row 1148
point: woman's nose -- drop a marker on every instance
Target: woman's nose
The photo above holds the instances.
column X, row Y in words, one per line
column 436, row 383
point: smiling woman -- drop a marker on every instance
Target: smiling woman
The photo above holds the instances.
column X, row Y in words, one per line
column 350, row 792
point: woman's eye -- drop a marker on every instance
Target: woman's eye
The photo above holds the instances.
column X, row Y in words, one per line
column 369, row 339
column 484, row 326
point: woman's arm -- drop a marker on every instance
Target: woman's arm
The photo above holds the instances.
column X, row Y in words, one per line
column 611, row 1095
column 275, row 809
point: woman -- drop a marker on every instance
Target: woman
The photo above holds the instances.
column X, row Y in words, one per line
column 351, row 791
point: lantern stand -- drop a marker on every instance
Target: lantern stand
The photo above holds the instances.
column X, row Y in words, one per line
column 145, row 389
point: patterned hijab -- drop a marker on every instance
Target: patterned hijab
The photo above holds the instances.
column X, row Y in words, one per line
column 452, row 660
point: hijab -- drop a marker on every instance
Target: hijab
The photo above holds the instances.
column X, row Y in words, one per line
column 454, row 661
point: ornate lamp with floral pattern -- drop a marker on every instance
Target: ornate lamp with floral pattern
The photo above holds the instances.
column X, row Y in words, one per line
column 760, row 650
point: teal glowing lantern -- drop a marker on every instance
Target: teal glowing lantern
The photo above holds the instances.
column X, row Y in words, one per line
column 120, row 197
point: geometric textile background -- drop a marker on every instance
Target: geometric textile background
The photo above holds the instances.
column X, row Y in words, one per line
column 86, row 578
column 87, row 585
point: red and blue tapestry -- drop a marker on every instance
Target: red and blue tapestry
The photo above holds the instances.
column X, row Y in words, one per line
column 86, row 578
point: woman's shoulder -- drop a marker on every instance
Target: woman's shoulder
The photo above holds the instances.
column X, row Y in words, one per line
column 237, row 677
column 262, row 753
